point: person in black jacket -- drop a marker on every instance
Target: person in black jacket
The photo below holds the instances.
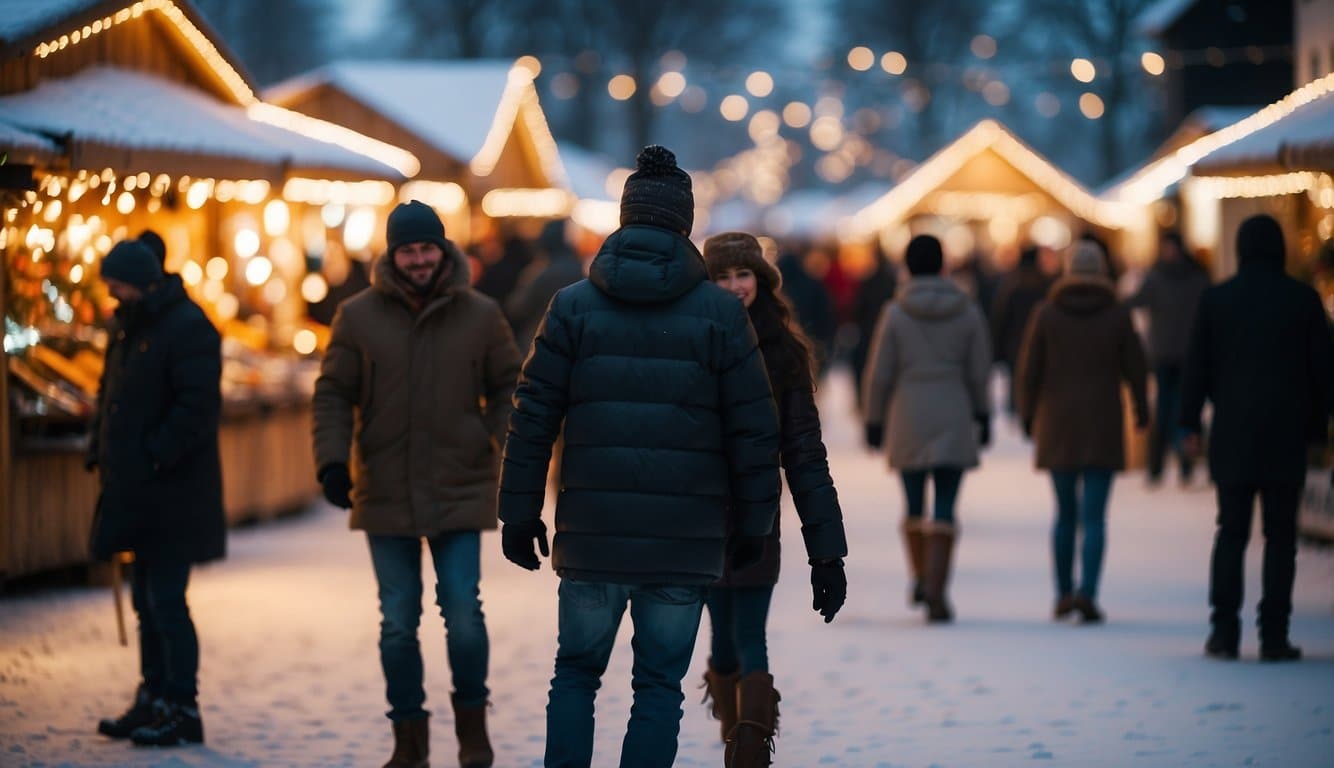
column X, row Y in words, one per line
column 873, row 292
column 558, row 267
column 1020, row 292
column 654, row 377
column 155, row 445
column 738, row 678
column 1260, row 352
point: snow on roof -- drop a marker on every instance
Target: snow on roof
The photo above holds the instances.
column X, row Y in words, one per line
column 449, row 104
column 1159, row 17
column 20, row 19
column 587, row 172
column 1308, row 126
column 1201, row 122
column 115, row 107
column 20, row 142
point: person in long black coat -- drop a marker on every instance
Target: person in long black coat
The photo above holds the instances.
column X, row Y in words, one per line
column 1020, row 292
column 155, row 446
column 654, row 377
column 1260, row 352
column 873, row 292
column 738, row 678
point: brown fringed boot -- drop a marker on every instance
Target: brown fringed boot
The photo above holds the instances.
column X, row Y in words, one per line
column 940, row 538
column 722, row 690
column 914, row 544
column 412, row 743
column 751, row 743
column 470, row 728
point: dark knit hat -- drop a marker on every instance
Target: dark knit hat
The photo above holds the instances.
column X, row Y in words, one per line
column 924, row 256
column 658, row 193
column 153, row 242
column 1260, row 241
column 738, row 250
column 414, row 222
column 130, row 261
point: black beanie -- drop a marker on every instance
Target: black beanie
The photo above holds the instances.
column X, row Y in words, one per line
column 1260, row 241
column 414, row 222
column 130, row 261
column 153, row 242
column 658, row 193
column 924, row 256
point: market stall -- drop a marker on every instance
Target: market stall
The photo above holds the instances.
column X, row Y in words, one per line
column 117, row 118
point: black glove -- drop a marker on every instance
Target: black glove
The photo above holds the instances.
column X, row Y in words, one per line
column 516, row 541
column 983, row 429
column 830, row 587
column 875, row 436
column 746, row 551
column 337, row 485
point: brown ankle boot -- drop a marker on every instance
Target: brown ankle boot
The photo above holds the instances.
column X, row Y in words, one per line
column 412, row 745
column 470, row 728
column 940, row 539
column 722, row 690
column 751, row 742
column 914, row 544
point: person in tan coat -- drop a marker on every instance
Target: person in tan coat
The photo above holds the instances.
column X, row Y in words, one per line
column 414, row 396
column 1079, row 349
column 926, row 397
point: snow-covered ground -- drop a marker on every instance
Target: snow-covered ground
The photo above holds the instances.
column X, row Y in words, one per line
column 290, row 675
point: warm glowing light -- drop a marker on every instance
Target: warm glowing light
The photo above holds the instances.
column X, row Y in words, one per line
column 827, row 133
column 621, row 87
column 447, row 198
column 333, row 215
column 76, row 274
column 540, row 203
column 894, row 63
column 734, row 107
column 314, row 288
column 304, row 342
column 1083, row 70
column 217, row 268
column 199, row 193
column 52, row 211
column 983, row 46
column 828, row 106
column 671, row 84
column 258, row 270
column 1050, row 232
column 996, row 93
column 277, row 218
column 532, row 64
column 397, row 158
column 192, row 273
column 797, row 115
column 1153, row 63
column 275, row 291
column 861, row 58
column 760, row 84
column 764, row 125
column 359, row 229
column 246, row 243
column 1091, row 105
column 226, row 305
column 125, row 203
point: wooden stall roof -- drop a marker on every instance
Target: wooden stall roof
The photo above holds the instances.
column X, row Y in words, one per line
column 984, row 159
column 1302, row 140
column 482, row 117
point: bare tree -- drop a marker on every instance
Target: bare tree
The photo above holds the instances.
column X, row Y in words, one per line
column 273, row 38
column 458, row 29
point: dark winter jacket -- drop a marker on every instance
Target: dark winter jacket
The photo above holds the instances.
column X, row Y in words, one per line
column 498, row 279
column 1260, row 352
column 1081, row 347
column 810, row 300
column 537, row 285
column 1170, row 293
column 805, row 464
column 155, row 437
column 1020, row 292
column 669, row 422
column 414, row 395
column 873, row 293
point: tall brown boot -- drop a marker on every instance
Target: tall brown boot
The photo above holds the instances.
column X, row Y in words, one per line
column 722, row 690
column 940, row 539
column 914, row 544
column 412, row 743
column 470, row 728
column 751, row 743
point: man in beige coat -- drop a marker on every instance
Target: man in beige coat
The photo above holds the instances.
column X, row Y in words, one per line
column 414, row 396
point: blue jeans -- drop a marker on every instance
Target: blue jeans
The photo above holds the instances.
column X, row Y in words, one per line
column 398, row 571
column 1166, row 435
column 737, row 616
column 1072, row 513
column 168, row 645
column 666, row 620
column 946, row 480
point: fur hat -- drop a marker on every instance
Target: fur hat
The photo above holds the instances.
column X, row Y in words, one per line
column 658, row 193
column 739, row 250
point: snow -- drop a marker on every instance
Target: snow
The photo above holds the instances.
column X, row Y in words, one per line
column 122, row 108
column 20, row 141
column 20, row 19
column 1308, row 125
column 290, row 675
column 587, row 172
column 449, row 104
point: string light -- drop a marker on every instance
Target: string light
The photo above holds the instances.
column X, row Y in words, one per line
column 894, row 63
column 1153, row 63
column 621, row 87
column 397, row 158
column 1276, row 185
column 447, row 197
column 304, row 341
column 861, row 58
column 671, row 84
column 760, row 84
column 1091, row 105
column 537, row 203
column 734, row 107
column 1083, row 70
column 983, row 46
column 797, row 115
column 519, row 101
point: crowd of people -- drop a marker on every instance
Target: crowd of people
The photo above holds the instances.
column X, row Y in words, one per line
column 674, row 385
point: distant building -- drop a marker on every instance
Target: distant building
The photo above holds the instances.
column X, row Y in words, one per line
column 1313, row 55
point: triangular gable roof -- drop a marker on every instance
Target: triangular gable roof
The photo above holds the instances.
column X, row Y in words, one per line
column 1151, row 181
column 1197, row 124
column 464, row 109
column 988, row 135
column 1305, row 133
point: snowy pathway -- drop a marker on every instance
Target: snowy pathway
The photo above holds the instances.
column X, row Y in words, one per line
column 290, row 673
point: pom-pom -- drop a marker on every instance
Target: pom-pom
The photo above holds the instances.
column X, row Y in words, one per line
column 655, row 160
